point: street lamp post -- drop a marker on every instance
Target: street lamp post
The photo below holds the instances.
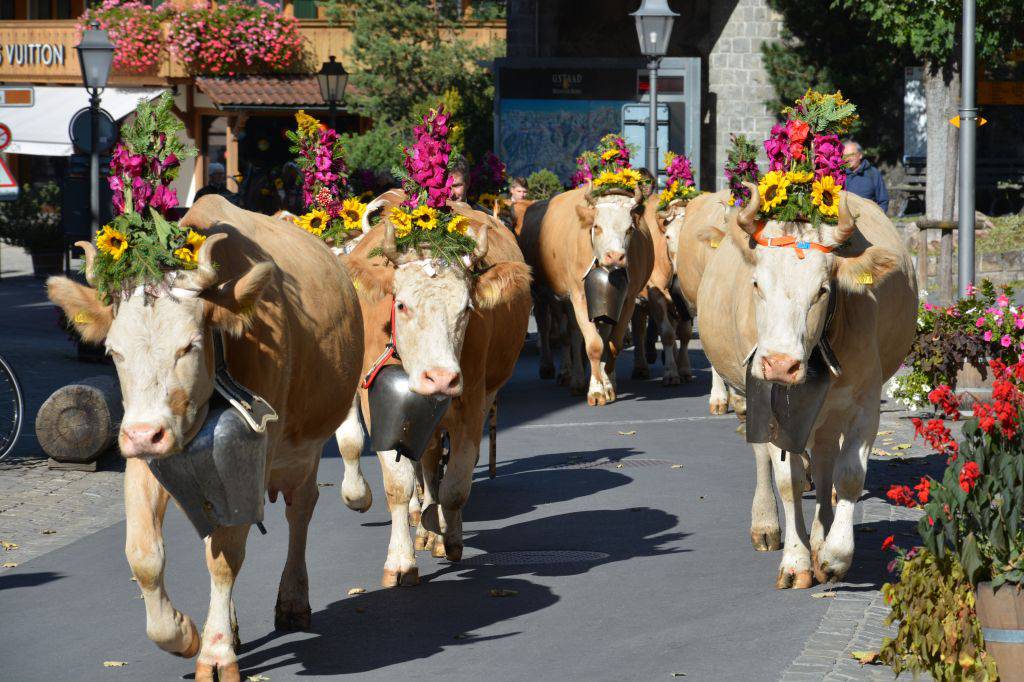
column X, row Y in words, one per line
column 95, row 54
column 654, row 22
column 968, row 126
column 333, row 80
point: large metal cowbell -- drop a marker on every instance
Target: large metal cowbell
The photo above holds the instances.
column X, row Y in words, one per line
column 401, row 419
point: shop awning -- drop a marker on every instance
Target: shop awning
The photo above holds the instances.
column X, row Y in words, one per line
column 42, row 129
column 263, row 92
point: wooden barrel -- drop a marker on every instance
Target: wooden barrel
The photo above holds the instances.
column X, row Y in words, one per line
column 79, row 422
column 1001, row 614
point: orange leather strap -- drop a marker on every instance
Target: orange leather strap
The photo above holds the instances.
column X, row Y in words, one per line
column 789, row 242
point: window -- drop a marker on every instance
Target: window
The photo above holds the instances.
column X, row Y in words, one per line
column 304, row 9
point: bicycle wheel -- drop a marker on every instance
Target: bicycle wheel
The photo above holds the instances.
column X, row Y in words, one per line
column 12, row 408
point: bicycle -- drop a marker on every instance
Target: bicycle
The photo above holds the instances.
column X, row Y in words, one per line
column 12, row 408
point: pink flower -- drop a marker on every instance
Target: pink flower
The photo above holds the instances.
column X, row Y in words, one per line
column 1002, row 301
column 987, row 335
column 980, row 323
column 1005, row 341
column 1018, row 320
column 971, row 291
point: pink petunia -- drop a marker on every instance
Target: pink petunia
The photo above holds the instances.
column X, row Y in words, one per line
column 987, row 335
column 1006, row 341
column 980, row 322
column 1002, row 301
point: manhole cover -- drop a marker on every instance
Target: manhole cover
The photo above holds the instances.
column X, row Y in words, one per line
column 605, row 463
column 558, row 556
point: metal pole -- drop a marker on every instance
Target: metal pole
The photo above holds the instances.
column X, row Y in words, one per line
column 332, row 114
column 968, row 127
column 94, row 162
column 652, row 124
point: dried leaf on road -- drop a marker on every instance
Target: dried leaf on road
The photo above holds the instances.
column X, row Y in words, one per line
column 257, row 678
column 885, row 433
column 901, row 446
column 627, row 433
column 8, row 564
column 49, row 531
column 501, row 592
column 114, row 664
column 880, row 452
column 356, row 590
column 134, row 579
column 8, row 546
column 823, row 595
column 678, row 674
column 865, row 657
column 677, row 466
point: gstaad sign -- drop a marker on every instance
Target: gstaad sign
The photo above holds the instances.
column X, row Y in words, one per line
column 32, row 54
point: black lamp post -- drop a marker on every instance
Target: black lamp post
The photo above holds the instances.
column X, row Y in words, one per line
column 333, row 79
column 95, row 54
column 654, row 22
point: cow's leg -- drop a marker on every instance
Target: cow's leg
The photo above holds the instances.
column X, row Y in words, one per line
column 795, row 569
column 580, row 378
column 454, row 489
column 145, row 502
column 667, row 330
column 683, row 333
column 355, row 492
column 824, row 452
column 607, row 376
column 542, row 314
column 399, row 486
column 718, row 401
column 292, row 611
column 641, row 369
column 764, row 515
column 836, row 554
column 225, row 551
column 561, row 321
column 415, row 508
column 430, row 525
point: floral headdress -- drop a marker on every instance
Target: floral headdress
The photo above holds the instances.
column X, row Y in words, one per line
column 608, row 167
column 740, row 167
column 805, row 160
column 487, row 178
column 139, row 245
column 680, row 181
column 424, row 220
column 330, row 214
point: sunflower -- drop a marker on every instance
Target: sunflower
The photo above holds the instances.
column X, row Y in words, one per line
column 825, row 195
column 606, row 178
column 458, row 224
column 424, row 218
column 307, row 124
column 313, row 222
column 112, row 242
column 609, row 155
column 189, row 253
column 772, row 189
column 799, row 177
column 669, row 193
column 352, row 212
column 402, row 220
column 630, row 177
column 487, row 200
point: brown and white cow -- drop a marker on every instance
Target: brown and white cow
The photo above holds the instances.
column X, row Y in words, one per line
column 770, row 300
column 656, row 299
column 564, row 237
column 293, row 335
column 458, row 330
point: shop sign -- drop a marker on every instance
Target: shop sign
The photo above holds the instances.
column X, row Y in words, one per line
column 32, row 54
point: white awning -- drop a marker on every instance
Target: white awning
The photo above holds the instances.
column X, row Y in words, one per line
column 42, row 129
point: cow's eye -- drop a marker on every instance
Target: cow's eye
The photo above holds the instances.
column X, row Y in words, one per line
column 823, row 292
column 400, row 306
column 193, row 345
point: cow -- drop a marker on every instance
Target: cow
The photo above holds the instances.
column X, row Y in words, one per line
column 458, row 330
column 696, row 238
column 656, row 300
column 292, row 333
column 767, row 305
column 562, row 239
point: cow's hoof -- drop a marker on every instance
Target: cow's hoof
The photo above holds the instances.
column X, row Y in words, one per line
column 596, row 399
column 437, row 549
column 826, row 573
column 357, row 496
column 414, row 519
column 195, row 641
column 547, row 372
column 226, row 672
column 766, row 540
column 799, row 580
column 670, row 380
column 292, row 619
column 452, row 552
column 739, row 406
column 641, row 373
column 563, row 379
column 718, row 406
column 406, row 578
column 424, row 542
column 686, row 377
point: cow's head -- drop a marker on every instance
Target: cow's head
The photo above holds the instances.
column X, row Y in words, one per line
column 610, row 218
column 433, row 302
column 791, row 293
column 670, row 220
column 160, row 337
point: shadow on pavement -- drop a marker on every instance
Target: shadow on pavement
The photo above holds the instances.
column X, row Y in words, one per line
column 12, row 582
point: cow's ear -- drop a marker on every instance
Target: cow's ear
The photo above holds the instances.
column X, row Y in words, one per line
column 82, row 306
column 710, row 235
column 230, row 305
column 501, row 283
column 867, row 269
column 372, row 283
column 587, row 214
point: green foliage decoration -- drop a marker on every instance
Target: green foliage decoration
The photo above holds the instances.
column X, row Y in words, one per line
column 543, row 184
column 33, row 220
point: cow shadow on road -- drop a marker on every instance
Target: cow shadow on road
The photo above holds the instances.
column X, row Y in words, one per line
column 370, row 631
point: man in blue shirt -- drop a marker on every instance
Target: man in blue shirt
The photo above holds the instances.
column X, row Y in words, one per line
column 862, row 178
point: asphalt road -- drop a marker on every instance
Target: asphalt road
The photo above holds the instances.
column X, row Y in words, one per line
column 648, row 569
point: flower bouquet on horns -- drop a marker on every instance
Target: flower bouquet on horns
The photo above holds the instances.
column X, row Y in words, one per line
column 680, row 188
column 330, row 214
column 608, row 169
column 740, row 167
column 805, row 160
column 424, row 223
column 140, row 244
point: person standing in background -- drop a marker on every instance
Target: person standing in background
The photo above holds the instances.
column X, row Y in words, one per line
column 862, row 178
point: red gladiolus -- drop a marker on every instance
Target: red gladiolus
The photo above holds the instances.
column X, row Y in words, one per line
column 969, row 476
column 888, row 542
column 944, row 398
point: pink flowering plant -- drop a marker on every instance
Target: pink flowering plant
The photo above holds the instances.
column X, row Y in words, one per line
column 140, row 243
column 680, row 187
column 135, row 29
column 425, row 220
column 607, row 168
column 488, row 179
column 740, row 167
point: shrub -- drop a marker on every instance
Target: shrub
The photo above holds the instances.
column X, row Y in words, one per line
column 543, row 185
column 33, row 220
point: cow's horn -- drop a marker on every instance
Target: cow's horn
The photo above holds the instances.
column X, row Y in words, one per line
column 638, row 194
column 205, row 274
column 589, row 193
column 746, row 218
column 371, row 208
column 480, row 250
column 90, row 255
column 847, row 222
column 387, row 247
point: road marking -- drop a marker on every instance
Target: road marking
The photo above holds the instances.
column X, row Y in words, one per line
column 628, row 422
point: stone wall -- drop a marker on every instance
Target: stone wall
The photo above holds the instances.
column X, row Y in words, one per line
column 738, row 86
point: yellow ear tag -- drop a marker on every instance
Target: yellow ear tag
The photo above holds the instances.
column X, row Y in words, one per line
column 714, row 244
column 355, row 284
column 865, row 278
column 82, row 317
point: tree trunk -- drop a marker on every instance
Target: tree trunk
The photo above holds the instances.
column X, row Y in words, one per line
column 946, row 284
column 940, row 103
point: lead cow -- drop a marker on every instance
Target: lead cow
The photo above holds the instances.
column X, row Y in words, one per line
column 458, row 330
column 767, row 303
column 292, row 330
column 564, row 237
